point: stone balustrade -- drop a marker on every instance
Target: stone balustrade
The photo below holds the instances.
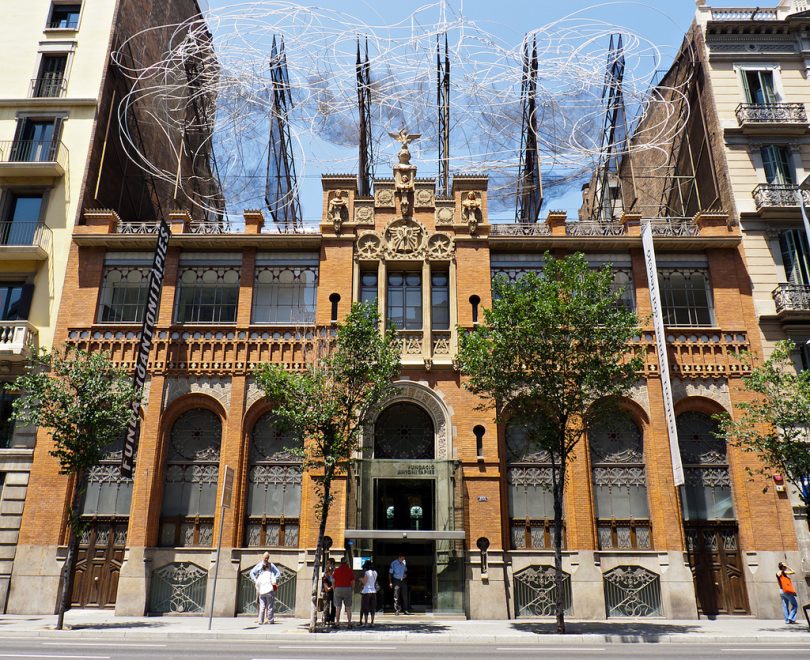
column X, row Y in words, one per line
column 791, row 298
column 771, row 113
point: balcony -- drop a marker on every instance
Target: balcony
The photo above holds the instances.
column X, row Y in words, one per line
column 16, row 339
column 761, row 118
column 773, row 196
column 792, row 300
column 24, row 240
column 32, row 158
column 49, row 87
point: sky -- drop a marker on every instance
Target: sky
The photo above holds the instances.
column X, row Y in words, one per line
column 662, row 22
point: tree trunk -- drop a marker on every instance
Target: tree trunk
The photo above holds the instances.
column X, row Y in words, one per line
column 557, row 485
column 72, row 549
column 316, row 567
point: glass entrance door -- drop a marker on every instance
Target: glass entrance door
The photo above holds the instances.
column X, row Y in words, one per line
column 404, row 504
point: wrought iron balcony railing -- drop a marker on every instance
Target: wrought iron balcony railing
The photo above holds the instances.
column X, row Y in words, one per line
column 776, row 195
column 25, row 233
column 791, row 298
column 48, row 87
column 744, row 14
column 32, row 151
column 771, row 113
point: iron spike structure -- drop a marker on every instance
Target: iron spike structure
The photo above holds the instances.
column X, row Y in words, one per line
column 365, row 173
column 607, row 198
column 529, row 183
column 443, row 104
column 281, row 188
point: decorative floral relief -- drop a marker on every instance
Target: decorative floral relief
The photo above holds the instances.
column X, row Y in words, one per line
column 444, row 215
column 364, row 214
column 424, row 197
column 385, row 197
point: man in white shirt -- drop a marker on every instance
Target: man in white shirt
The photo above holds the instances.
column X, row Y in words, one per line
column 256, row 571
column 265, row 587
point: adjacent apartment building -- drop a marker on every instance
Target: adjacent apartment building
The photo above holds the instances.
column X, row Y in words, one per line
column 59, row 153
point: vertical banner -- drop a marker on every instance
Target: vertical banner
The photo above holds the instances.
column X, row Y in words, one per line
column 150, row 316
column 661, row 346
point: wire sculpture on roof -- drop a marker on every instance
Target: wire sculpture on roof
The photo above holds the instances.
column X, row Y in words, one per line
column 328, row 95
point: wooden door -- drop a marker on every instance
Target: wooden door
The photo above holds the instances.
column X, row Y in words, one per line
column 98, row 564
column 714, row 557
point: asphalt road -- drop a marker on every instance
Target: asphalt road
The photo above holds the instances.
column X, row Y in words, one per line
column 108, row 649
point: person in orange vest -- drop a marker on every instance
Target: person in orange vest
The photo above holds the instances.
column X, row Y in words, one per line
column 790, row 606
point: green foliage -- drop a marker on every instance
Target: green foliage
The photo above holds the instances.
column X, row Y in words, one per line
column 775, row 424
column 83, row 401
column 553, row 348
column 350, row 373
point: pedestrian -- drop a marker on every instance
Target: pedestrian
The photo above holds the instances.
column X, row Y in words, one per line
column 368, row 594
column 256, row 571
column 343, row 581
column 328, row 593
column 266, row 586
column 790, row 606
column 397, row 580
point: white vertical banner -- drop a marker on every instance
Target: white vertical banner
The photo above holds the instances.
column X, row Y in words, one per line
column 661, row 346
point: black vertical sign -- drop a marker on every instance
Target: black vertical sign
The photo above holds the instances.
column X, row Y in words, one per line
column 150, row 316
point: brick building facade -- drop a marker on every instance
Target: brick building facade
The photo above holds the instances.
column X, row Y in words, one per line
column 435, row 474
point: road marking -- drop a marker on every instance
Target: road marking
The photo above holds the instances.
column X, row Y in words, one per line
column 76, row 657
column 337, row 647
column 556, row 649
column 102, row 644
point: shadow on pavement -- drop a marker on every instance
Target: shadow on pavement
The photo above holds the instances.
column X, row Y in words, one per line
column 416, row 627
column 628, row 631
column 116, row 625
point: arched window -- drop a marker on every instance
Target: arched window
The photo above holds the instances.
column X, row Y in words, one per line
column 274, row 486
column 619, row 484
column 192, row 468
column 531, row 502
column 707, row 492
column 404, row 431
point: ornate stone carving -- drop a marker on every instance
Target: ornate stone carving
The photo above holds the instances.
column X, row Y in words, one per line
column 440, row 247
column 715, row 389
column 471, row 211
column 404, row 237
column 338, row 208
column 364, row 214
column 422, row 395
column 218, row 387
column 444, row 215
column 253, row 393
column 385, row 198
column 369, row 246
column 424, row 197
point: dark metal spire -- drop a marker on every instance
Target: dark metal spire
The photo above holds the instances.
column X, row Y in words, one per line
column 529, row 184
column 281, row 189
column 443, row 104
column 365, row 172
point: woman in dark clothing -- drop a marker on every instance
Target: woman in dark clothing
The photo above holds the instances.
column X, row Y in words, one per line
column 328, row 595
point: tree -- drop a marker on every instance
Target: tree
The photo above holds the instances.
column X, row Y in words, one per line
column 83, row 401
column 775, row 423
column 350, row 373
column 552, row 355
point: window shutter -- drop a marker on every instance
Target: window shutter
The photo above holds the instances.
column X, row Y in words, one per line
column 785, row 170
column 795, row 256
column 766, row 84
column 748, row 96
column 24, row 306
column 769, row 163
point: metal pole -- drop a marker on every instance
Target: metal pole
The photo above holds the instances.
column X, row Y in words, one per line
column 216, row 565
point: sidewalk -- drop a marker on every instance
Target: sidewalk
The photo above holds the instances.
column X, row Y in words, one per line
column 103, row 624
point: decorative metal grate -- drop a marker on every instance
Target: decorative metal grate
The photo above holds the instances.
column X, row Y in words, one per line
column 178, row 589
column 536, row 593
column 594, row 228
column 520, row 229
column 632, row 591
column 285, row 596
column 404, row 431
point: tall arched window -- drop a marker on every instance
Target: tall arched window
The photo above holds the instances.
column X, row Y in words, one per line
column 707, row 492
column 404, row 431
column 274, row 486
column 192, row 468
column 619, row 484
column 531, row 502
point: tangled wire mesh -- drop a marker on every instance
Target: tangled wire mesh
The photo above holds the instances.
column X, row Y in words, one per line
column 213, row 80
